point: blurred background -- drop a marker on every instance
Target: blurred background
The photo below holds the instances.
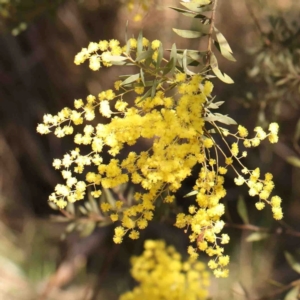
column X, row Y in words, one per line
column 38, row 42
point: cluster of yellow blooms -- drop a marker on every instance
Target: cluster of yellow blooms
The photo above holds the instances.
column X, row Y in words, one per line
column 175, row 125
column 161, row 274
column 142, row 5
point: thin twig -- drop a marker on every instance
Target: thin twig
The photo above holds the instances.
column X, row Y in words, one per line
column 280, row 290
column 265, row 40
column 278, row 231
column 211, row 28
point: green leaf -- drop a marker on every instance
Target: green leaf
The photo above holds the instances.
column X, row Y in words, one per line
column 168, row 67
column 198, row 7
column 53, row 205
column 224, row 53
column 153, row 89
column 94, row 203
column 139, row 48
column 184, row 64
column 242, row 210
column 297, row 132
column 257, row 236
column 87, row 229
column 292, row 262
column 215, row 105
column 128, row 47
column 173, row 55
column 188, row 34
column 189, row 13
column 222, row 41
column 220, row 118
column 142, row 76
column 292, row 294
column 83, row 210
column 213, row 62
column 192, row 193
column 214, row 67
column 71, row 208
column 294, row 161
column 118, row 60
column 160, row 55
column 131, row 79
column 222, row 76
column 109, row 197
column 71, row 227
column 147, row 94
column 197, row 55
column 144, row 55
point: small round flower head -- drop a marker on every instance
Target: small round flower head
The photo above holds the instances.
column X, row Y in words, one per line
column 260, row 205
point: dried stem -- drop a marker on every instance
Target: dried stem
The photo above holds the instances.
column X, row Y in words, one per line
column 211, row 28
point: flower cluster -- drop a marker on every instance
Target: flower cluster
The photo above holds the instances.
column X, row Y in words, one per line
column 143, row 6
column 161, row 274
column 173, row 117
column 97, row 53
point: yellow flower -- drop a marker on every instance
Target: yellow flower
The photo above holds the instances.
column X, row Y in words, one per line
column 260, row 205
column 243, row 132
column 155, row 44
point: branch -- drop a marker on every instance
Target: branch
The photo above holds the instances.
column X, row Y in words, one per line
column 211, row 28
column 277, row 231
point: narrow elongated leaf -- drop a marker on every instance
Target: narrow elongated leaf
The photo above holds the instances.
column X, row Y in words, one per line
column 189, row 13
column 222, row 76
column 153, row 89
column 94, row 203
column 71, row 227
column 213, row 62
column 223, row 46
column 147, row 94
column 197, row 55
column 257, row 236
column 71, row 208
column 293, row 160
column 215, row 105
column 188, row 34
column 109, row 197
column 292, row 294
column 184, row 64
column 204, row 28
column 128, row 47
column 220, row 118
column 168, row 67
column 224, row 52
column 139, row 48
column 173, row 53
column 181, row 10
column 82, row 210
column 292, row 262
column 242, row 210
column 225, row 119
column 144, row 55
column 131, row 79
column 192, row 193
column 142, row 76
column 87, row 229
column 195, row 7
column 222, row 40
column 117, row 60
column 297, row 132
column 160, row 56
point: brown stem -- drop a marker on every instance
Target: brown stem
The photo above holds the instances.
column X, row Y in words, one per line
column 211, row 28
column 277, row 231
column 280, row 290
